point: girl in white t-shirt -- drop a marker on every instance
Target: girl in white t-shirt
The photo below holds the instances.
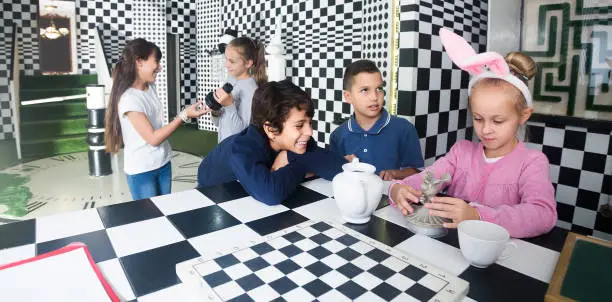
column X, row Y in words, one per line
column 134, row 118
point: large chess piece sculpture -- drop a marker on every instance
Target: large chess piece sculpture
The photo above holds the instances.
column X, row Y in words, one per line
column 99, row 159
column 277, row 60
column 420, row 221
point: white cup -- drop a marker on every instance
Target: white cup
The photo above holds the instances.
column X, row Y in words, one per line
column 482, row 243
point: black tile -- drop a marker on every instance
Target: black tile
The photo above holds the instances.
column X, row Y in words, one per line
column 290, row 250
column 431, row 144
column 317, row 287
column 321, row 226
column 406, row 101
column 17, row 233
column 553, row 240
column 262, row 248
column 413, row 272
column 421, row 292
column 451, row 238
column 351, row 289
column 283, row 285
column 386, row 291
column 553, row 154
column 318, row 268
column 381, row 271
column 256, row 264
column 217, row 278
column 606, row 185
column 226, row 260
column 408, row 57
column 249, row 282
column 497, row 283
column 569, row 176
column 97, row 243
column 271, row 224
column 603, row 224
column 594, row 162
column 348, row 254
column 377, row 255
column 302, row 196
column 224, row 192
column 320, row 238
column 581, row 230
column 588, row 199
column 155, row 269
column 128, row 212
column 242, row 298
column 287, row 266
column 535, row 134
column 319, row 252
column 574, row 140
column 382, row 230
column 202, row 221
column 294, row 237
column 347, row 239
column 565, row 212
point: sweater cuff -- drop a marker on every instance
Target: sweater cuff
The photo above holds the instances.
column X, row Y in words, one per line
column 485, row 213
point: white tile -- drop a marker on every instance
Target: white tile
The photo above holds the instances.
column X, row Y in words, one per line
column 320, row 185
column 400, row 281
column 237, row 271
column 584, row 217
column 263, row 293
column 143, row 235
column 248, row 209
column 237, row 236
column 564, row 225
column 566, row 194
column 299, row 294
column 432, row 119
column 333, row 296
column 304, row 259
column 180, row 292
column 301, row 276
column 67, row 224
column 597, row 143
column 334, row 261
column 367, row 280
column 334, row 278
column 369, row 297
column 229, row 290
column 391, row 214
column 432, row 282
column 602, row 235
column 274, row 257
column 322, row 209
column 437, row 253
column 181, row 202
column 591, row 181
column 554, row 137
column 530, row 259
column 114, row 274
column 364, row 262
column 18, row 253
column 572, row 158
column 269, row 274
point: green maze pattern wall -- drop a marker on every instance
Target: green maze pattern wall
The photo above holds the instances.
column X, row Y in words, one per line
column 571, row 41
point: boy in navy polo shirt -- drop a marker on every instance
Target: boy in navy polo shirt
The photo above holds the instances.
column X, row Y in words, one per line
column 388, row 142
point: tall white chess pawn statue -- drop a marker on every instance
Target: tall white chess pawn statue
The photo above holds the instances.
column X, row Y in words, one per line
column 276, row 59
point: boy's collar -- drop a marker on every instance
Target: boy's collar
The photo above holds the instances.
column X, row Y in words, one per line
column 381, row 123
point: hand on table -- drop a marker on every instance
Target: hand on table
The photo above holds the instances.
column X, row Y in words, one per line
column 452, row 208
column 280, row 161
column 403, row 196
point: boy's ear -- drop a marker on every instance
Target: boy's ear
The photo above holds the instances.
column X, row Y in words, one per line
column 347, row 96
column 271, row 132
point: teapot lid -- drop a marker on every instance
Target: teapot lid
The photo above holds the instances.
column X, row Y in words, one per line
column 356, row 166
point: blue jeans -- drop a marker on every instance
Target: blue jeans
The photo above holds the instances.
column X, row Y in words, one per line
column 152, row 183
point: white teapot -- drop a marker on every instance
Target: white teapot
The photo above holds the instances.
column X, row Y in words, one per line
column 357, row 191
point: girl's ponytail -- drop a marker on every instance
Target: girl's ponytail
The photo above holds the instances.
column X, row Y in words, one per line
column 259, row 65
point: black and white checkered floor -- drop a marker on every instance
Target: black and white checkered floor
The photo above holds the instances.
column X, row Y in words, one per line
column 138, row 244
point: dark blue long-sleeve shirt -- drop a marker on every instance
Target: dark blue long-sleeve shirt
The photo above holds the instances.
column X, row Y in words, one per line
column 247, row 157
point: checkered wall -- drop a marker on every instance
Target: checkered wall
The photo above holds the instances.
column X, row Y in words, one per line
column 432, row 93
column 181, row 20
column 321, row 36
column 25, row 16
column 208, row 31
column 150, row 24
column 581, row 171
column 113, row 19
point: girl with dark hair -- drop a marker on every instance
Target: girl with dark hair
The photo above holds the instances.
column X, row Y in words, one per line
column 246, row 65
column 134, row 119
column 275, row 152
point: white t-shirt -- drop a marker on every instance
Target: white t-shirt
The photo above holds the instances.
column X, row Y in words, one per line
column 138, row 155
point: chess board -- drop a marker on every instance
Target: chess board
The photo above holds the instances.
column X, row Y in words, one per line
column 318, row 260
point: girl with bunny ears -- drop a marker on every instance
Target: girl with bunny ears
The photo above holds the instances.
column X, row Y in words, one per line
column 497, row 179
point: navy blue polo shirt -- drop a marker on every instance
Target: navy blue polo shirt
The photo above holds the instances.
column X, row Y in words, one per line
column 392, row 143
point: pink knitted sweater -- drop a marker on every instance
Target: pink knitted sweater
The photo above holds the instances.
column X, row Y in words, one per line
column 514, row 192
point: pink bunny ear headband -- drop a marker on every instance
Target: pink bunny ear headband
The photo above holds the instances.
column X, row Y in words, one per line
column 484, row 65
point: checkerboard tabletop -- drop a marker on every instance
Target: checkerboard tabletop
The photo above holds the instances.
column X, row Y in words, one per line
column 138, row 244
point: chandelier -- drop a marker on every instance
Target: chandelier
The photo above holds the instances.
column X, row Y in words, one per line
column 52, row 32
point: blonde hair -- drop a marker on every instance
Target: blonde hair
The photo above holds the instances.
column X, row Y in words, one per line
column 523, row 67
